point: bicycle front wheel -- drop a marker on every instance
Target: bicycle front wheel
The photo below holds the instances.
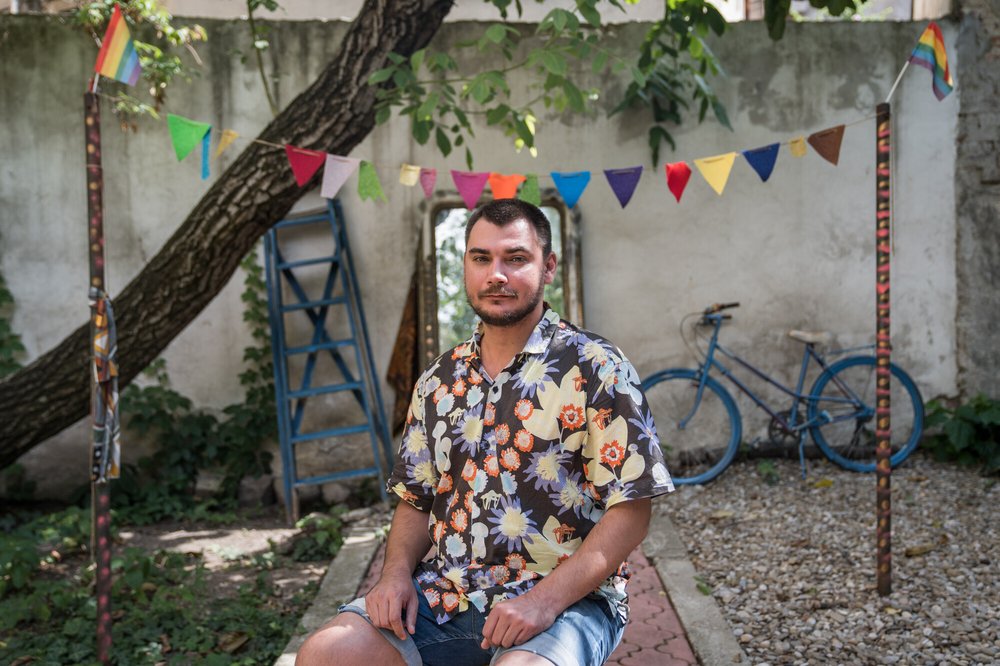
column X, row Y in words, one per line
column 842, row 404
column 698, row 438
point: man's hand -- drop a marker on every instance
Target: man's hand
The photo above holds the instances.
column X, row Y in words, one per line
column 388, row 599
column 516, row 620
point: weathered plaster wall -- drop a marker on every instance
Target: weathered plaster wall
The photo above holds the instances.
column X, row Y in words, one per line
column 797, row 251
column 977, row 180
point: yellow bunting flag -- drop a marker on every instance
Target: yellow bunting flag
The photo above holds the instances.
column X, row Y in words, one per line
column 227, row 138
column 716, row 170
column 409, row 175
column 797, row 146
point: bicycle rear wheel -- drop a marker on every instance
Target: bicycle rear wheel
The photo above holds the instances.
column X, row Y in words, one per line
column 842, row 402
column 700, row 449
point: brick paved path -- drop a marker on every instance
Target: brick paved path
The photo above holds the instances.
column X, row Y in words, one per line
column 653, row 637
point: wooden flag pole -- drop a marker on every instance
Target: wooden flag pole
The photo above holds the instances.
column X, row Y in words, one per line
column 100, row 489
column 883, row 348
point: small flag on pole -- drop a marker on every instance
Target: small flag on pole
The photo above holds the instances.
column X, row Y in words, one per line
column 930, row 54
column 118, row 58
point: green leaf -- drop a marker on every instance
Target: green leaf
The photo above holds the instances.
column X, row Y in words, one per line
column 554, row 62
column 497, row 114
column 573, row 96
column 443, row 144
column 496, row 33
column 599, row 62
column 638, row 76
column 589, row 12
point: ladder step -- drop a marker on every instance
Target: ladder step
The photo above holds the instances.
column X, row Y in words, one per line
column 338, row 300
column 308, row 262
column 346, row 474
column 299, row 220
column 333, row 344
column 332, row 432
column 321, row 390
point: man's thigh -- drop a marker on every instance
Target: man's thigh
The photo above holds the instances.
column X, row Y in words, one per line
column 585, row 634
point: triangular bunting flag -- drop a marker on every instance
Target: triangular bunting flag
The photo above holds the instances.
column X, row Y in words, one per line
column 762, row 159
column 504, row 186
column 409, row 175
column 427, row 179
column 716, row 170
column 797, row 146
column 827, row 143
column 228, row 136
column 571, row 185
column 336, row 171
column 369, row 186
column 678, row 175
column 470, row 185
column 185, row 133
column 623, row 182
column 530, row 191
column 304, row 162
column 206, row 148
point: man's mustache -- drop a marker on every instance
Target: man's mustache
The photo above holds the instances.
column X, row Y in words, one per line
column 497, row 292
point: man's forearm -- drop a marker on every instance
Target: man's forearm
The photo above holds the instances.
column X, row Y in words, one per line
column 616, row 535
column 408, row 540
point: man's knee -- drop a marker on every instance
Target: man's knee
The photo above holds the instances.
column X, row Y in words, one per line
column 521, row 658
column 347, row 640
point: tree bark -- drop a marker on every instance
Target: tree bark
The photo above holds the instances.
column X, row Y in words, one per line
column 334, row 114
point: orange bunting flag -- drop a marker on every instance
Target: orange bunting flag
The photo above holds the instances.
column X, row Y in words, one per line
column 716, row 170
column 505, row 186
column 304, row 162
column 827, row 143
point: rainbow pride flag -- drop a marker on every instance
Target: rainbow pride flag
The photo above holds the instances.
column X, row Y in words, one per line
column 117, row 58
column 929, row 53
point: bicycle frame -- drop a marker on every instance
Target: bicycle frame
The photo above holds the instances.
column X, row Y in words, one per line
column 798, row 397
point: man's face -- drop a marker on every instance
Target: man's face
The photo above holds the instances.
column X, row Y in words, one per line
column 505, row 272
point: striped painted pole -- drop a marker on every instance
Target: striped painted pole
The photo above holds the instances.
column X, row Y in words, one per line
column 883, row 348
column 99, row 490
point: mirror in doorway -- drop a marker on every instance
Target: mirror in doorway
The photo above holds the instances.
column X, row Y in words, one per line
column 448, row 317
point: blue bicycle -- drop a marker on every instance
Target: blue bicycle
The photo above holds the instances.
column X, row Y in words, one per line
column 700, row 426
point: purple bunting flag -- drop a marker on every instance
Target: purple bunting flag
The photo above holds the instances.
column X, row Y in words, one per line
column 623, row 182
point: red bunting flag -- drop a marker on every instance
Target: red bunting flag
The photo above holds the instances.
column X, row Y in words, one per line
column 678, row 175
column 304, row 163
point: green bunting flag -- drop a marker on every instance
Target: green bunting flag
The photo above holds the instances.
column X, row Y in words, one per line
column 369, row 186
column 530, row 191
column 185, row 134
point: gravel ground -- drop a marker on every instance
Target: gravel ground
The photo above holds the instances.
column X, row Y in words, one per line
column 792, row 565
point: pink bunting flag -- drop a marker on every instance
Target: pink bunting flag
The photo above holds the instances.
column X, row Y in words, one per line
column 470, row 185
column 504, row 186
column 335, row 173
column 427, row 179
column 304, row 162
column 678, row 175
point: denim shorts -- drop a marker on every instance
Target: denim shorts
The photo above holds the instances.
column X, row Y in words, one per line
column 585, row 634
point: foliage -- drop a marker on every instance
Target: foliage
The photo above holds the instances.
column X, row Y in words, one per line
column 674, row 63
column 189, row 440
column 160, row 65
column 39, row 541
column 968, row 433
column 768, row 472
column 320, row 538
column 258, row 38
column 776, row 12
column 10, row 342
column 165, row 614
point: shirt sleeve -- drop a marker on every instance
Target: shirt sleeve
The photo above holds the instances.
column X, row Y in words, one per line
column 622, row 451
column 414, row 476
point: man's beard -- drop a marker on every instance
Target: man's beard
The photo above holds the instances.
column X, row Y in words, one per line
column 507, row 318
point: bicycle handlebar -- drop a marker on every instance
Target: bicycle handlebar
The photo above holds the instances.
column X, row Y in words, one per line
column 719, row 307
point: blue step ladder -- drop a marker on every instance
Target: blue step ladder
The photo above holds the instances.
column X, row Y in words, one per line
column 295, row 364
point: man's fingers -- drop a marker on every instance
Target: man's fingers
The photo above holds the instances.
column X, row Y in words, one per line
column 411, row 613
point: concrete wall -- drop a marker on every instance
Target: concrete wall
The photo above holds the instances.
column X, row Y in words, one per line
column 797, row 251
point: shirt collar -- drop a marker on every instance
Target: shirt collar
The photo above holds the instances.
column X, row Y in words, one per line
column 537, row 342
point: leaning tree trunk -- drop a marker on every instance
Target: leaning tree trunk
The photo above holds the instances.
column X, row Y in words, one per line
column 334, row 114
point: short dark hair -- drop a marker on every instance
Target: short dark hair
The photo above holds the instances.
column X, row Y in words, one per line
column 502, row 212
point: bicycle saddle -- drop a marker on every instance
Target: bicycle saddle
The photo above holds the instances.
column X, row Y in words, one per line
column 811, row 337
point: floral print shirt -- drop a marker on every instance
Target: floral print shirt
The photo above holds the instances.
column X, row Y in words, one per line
column 515, row 471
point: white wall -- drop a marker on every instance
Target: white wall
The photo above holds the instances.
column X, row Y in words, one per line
column 797, row 251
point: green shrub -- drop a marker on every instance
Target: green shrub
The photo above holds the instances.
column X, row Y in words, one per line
column 968, row 434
